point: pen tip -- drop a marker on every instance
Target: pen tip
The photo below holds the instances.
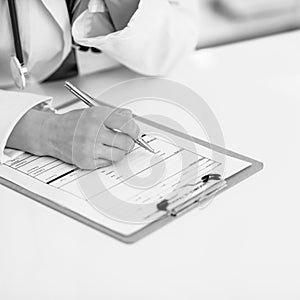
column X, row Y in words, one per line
column 149, row 148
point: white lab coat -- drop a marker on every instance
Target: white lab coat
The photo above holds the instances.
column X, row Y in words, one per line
column 160, row 32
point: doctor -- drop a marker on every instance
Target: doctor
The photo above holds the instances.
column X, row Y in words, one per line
column 147, row 36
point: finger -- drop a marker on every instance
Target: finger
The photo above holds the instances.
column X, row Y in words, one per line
column 92, row 164
column 101, row 163
column 123, row 122
column 123, row 111
column 116, row 139
column 110, row 153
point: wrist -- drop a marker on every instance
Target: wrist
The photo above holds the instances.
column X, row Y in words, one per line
column 31, row 133
column 50, row 131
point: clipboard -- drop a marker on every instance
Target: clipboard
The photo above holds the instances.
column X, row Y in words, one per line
column 222, row 184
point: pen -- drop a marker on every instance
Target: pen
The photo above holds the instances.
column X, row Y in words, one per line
column 90, row 101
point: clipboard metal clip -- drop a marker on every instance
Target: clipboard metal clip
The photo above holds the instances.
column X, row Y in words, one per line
column 195, row 201
column 190, row 204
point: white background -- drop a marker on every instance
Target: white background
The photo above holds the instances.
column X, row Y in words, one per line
column 245, row 245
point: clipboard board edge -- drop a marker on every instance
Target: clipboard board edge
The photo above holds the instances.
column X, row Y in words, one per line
column 61, row 209
column 231, row 181
column 255, row 167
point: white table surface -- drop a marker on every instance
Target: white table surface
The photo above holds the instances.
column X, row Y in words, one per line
column 245, row 245
column 216, row 27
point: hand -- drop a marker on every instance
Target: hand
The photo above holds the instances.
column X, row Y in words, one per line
column 81, row 137
column 85, row 137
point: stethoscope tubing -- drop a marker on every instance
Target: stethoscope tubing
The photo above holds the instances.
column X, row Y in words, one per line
column 15, row 29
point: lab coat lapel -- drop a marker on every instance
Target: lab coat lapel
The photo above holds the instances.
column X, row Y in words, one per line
column 55, row 9
column 59, row 12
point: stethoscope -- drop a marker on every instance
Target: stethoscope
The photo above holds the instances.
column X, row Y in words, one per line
column 17, row 65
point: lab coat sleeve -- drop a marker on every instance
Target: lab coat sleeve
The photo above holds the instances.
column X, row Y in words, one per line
column 13, row 105
column 159, row 34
